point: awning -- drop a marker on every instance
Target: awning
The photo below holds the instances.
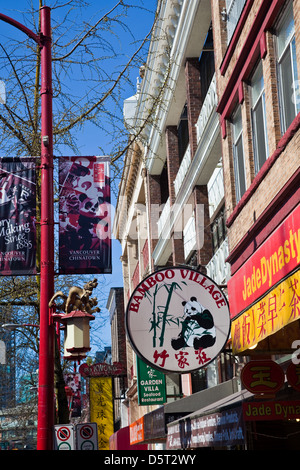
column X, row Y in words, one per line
column 120, row 440
column 216, row 425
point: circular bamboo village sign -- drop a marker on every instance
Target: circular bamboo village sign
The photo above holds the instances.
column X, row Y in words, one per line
column 177, row 320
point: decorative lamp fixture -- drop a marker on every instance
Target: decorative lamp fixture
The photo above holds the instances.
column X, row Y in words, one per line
column 79, row 308
column 77, row 334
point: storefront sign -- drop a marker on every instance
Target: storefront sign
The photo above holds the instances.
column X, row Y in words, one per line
column 137, row 431
column 177, row 320
column 262, row 377
column 102, row 369
column 214, row 430
column 278, row 256
column 270, row 314
column 151, row 385
column 271, row 410
column 84, row 215
column 101, row 409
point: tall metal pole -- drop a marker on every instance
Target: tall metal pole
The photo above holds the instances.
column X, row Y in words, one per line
column 47, row 329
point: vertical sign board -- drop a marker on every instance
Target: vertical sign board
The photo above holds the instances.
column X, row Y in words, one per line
column 151, row 385
column 17, row 216
column 87, row 436
column 84, row 215
column 64, row 437
column 101, row 408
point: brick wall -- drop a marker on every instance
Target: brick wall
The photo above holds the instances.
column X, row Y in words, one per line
column 275, row 173
column 194, row 99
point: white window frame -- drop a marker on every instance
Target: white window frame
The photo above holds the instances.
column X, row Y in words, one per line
column 258, row 105
column 238, row 154
column 234, row 9
column 289, row 49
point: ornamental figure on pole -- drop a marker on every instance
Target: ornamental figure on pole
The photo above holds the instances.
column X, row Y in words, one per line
column 77, row 299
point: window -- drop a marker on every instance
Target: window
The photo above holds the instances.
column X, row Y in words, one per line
column 234, row 9
column 183, row 133
column 218, row 229
column 287, row 68
column 258, row 110
column 238, row 155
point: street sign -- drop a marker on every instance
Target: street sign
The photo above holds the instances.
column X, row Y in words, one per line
column 64, row 437
column 87, row 436
column 177, row 320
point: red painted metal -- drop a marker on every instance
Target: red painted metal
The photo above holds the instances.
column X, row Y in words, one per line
column 47, row 328
column 46, row 356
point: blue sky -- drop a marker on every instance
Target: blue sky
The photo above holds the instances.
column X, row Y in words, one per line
column 139, row 22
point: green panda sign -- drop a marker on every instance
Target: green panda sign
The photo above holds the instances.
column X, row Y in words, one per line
column 177, row 320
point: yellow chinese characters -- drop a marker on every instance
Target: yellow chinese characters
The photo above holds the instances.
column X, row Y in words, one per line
column 279, row 307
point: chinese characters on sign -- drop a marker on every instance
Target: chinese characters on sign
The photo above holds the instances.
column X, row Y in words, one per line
column 101, row 406
column 151, row 385
column 271, row 313
column 177, row 320
column 266, row 377
column 273, row 261
column 262, row 377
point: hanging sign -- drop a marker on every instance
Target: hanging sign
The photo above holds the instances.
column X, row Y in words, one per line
column 151, row 385
column 17, row 216
column 177, row 320
column 101, row 409
column 84, row 215
column 262, row 377
column 102, row 369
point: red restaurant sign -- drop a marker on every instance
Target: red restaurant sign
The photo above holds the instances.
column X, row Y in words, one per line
column 262, row 377
column 102, row 369
column 274, row 259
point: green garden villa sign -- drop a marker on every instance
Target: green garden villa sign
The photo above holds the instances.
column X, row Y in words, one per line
column 151, row 385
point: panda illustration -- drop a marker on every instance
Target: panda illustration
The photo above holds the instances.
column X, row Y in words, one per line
column 198, row 330
column 89, row 213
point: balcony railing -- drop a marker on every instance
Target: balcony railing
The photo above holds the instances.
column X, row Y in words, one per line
column 217, row 268
column 208, row 108
column 165, row 215
column 185, row 163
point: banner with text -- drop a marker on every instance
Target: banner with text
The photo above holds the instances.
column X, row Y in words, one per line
column 271, row 313
column 84, row 215
column 17, row 216
column 101, row 409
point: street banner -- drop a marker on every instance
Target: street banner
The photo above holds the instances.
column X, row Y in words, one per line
column 17, row 216
column 84, row 215
column 74, row 382
column 101, row 409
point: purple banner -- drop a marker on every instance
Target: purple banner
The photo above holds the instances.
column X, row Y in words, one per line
column 17, row 216
column 84, row 215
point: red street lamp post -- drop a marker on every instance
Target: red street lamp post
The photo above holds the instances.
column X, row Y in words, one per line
column 46, row 354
